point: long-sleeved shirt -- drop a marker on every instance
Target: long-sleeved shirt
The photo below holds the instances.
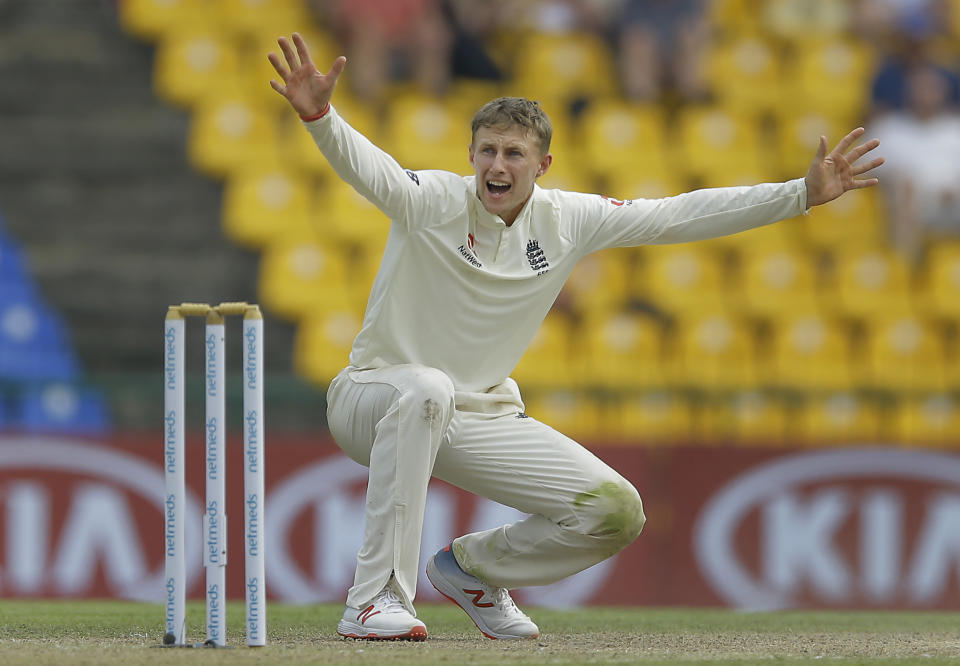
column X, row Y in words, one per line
column 460, row 291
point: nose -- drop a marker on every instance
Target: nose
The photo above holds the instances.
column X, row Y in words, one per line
column 497, row 165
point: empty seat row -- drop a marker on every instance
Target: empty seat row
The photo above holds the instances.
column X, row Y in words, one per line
column 751, row 418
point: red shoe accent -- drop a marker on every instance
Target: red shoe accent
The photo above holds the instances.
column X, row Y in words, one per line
column 365, row 614
column 415, row 634
column 477, row 596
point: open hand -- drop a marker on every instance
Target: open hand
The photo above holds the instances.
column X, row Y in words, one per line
column 308, row 90
column 831, row 175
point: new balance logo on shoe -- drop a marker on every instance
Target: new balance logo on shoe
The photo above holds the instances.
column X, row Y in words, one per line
column 491, row 608
column 477, row 596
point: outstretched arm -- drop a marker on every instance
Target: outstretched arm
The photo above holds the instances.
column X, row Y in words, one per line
column 831, row 175
column 308, row 90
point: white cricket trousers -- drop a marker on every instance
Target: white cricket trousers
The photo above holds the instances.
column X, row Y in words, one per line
column 402, row 422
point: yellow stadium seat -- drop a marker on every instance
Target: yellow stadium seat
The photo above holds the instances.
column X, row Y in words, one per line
column 796, row 21
column 257, row 18
column 651, row 418
column 906, row 353
column 599, row 282
column 554, row 69
column 720, row 148
column 547, row 361
column 151, row 19
column 567, row 172
column 622, row 350
column 429, row 133
column 832, row 77
column 838, row 419
column 299, row 277
column 622, row 139
column 798, row 137
column 931, row 420
column 744, row 74
column 322, row 344
column 632, row 185
column 471, row 94
column 190, row 64
column 346, row 214
column 572, row 413
column 854, row 220
column 781, row 236
column 263, row 205
column 680, row 278
column 775, row 282
column 734, row 17
column 230, row 132
column 868, row 282
column 716, row 352
column 810, row 352
column 941, row 296
column 750, row 418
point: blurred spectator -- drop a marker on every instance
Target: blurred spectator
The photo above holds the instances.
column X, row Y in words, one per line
column 426, row 41
column 660, row 49
column 883, row 20
column 473, row 24
column 907, row 33
column 559, row 16
column 387, row 40
column 921, row 177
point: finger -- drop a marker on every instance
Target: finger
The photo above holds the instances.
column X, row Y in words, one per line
column 863, row 149
column 863, row 168
column 866, row 182
column 278, row 87
column 278, row 65
column 337, row 68
column 302, row 50
column 848, row 140
column 289, row 54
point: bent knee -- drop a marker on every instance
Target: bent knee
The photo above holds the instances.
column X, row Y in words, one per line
column 613, row 511
column 428, row 384
column 432, row 390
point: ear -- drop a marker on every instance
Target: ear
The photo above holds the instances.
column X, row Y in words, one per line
column 470, row 149
column 544, row 164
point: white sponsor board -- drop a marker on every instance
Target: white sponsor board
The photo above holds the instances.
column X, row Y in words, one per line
column 804, row 504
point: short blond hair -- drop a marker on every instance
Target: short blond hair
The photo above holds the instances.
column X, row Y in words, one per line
column 514, row 111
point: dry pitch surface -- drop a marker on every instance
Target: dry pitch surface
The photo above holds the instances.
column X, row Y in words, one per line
column 82, row 632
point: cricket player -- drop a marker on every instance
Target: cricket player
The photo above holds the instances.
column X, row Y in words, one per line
column 471, row 268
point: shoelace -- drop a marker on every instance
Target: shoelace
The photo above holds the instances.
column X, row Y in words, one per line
column 391, row 602
column 506, row 604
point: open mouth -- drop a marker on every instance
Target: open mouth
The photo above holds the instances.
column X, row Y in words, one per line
column 497, row 187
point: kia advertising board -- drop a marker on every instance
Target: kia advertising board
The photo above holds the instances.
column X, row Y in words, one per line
column 745, row 528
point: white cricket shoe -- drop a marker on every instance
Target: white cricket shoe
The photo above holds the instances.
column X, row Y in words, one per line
column 491, row 608
column 384, row 618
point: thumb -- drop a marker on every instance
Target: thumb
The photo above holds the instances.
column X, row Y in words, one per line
column 337, row 69
column 821, row 149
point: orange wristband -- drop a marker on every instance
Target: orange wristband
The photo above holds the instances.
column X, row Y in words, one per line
column 320, row 115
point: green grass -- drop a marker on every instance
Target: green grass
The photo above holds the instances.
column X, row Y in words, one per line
column 110, row 632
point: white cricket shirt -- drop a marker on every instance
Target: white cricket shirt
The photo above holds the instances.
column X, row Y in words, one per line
column 460, row 291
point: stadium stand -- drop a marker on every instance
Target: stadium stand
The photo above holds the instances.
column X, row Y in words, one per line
column 41, row 390
column 811, row 331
